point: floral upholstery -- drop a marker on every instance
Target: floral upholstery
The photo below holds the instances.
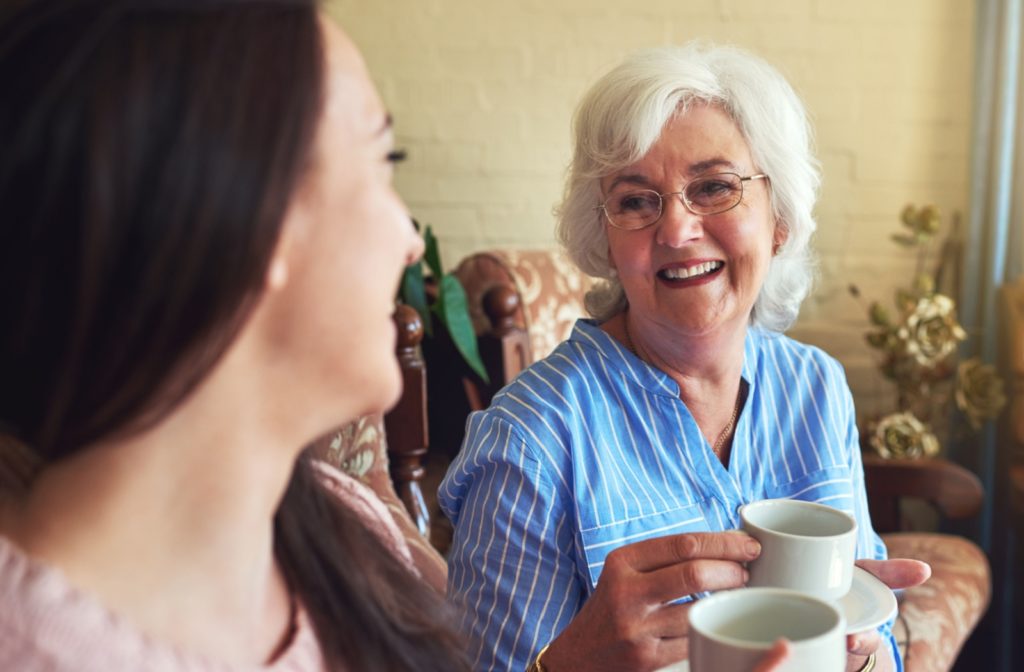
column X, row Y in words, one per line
column 360, row 450
column 550, row 288
column 936, row 617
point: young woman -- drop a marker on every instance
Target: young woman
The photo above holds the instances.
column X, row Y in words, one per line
column 198, row 256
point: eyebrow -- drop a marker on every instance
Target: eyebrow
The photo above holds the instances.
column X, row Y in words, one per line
column 694, row 169
column 716, row 162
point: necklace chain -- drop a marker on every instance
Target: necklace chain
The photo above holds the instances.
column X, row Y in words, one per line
column 727, row 432
column 724, row 436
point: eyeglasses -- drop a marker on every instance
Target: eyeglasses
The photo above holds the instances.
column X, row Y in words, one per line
column 705, row 195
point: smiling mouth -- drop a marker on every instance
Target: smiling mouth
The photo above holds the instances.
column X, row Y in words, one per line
column 700, row 270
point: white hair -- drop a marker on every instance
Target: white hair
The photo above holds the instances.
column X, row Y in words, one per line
column 622, row 116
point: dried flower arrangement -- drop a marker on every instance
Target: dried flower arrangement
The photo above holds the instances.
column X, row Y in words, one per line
column 918, row 347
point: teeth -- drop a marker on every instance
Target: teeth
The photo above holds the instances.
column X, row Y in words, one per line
column 692, row 272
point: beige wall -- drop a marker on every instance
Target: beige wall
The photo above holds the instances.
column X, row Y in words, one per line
column 483, row 90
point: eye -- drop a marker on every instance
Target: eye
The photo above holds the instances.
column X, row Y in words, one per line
column 637, row 201
column 396, row 156
column 713, row 189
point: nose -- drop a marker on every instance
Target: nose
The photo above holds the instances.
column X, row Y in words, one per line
column 414, row 245
column 678, row 225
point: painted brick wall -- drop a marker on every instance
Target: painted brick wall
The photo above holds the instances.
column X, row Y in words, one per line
column 483, row 91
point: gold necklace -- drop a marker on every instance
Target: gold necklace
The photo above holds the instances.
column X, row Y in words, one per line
column 719, row 443
column 724, row 436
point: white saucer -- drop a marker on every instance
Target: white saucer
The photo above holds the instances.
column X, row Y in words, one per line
column 868, row 604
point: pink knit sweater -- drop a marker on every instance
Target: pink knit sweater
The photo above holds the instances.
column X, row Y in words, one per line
column 48, row 625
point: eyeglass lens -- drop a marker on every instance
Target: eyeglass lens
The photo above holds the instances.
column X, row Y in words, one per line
column 709, row 195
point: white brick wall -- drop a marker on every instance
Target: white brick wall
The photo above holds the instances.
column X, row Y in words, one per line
column 483, row 90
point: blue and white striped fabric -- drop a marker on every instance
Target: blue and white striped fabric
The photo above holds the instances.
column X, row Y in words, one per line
column 591, row 448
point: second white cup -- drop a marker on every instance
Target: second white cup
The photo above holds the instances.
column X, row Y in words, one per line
column 732, row 630
column 805, row 546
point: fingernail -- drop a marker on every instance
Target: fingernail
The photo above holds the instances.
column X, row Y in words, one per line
column 753, row 547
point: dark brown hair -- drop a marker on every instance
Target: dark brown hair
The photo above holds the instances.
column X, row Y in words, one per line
column 148, row 152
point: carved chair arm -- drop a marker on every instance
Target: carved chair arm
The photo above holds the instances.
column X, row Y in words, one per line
column 953, row 490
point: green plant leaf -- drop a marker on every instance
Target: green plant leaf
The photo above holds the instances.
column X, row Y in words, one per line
column 432, row 254
column 413, row 293
column 452, row 308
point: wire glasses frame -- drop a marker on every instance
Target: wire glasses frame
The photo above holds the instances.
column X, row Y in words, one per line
column 705, row 195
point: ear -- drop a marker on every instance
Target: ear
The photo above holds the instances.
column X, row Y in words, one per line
column 779, row 237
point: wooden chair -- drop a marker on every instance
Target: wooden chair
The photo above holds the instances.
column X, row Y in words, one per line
column 525, row 302
column 386, row 453
column 936, row 618
column 522, row 304
column 955, row 492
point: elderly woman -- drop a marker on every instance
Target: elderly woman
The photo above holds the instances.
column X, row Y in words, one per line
column 625, row 455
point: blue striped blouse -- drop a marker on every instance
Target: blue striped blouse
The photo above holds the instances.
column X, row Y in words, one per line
column 591, row 448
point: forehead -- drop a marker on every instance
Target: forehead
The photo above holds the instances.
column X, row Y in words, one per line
column 700, row 139
column 351, row 98
column 700, row 134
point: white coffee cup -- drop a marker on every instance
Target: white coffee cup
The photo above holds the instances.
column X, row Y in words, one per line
column 805, row 547
column 732, row 630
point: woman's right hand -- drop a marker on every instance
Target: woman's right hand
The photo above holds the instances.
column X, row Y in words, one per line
column 630, row 622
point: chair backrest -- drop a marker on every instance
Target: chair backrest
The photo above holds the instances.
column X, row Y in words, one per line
column 522, row 303
column 360, row 449
column 549, row 288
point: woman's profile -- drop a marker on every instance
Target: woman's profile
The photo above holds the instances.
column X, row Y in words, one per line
column 198, row 259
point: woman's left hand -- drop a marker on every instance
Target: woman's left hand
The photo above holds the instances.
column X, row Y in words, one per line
column 775, row 657
column 896, row 574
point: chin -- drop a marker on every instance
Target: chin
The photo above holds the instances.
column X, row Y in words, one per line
column 382, row 388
